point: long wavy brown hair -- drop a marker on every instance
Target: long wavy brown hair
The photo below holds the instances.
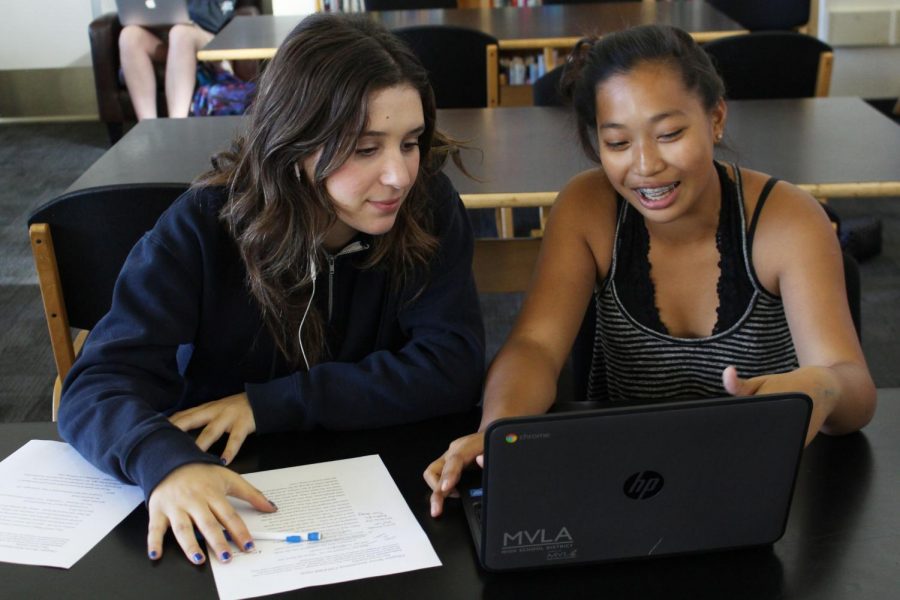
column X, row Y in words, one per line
column 313, row 97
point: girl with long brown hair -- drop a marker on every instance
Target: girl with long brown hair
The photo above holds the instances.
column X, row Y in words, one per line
column 318, row 275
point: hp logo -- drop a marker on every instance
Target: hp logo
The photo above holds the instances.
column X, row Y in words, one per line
column 643, row 485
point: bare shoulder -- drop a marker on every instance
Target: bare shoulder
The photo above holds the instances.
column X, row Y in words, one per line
column 792, row 228
column 586, row 209
column 583, row 218
column 787, row 207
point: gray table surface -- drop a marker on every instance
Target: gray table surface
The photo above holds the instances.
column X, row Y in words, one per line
column 832, row 147
column 842, row 539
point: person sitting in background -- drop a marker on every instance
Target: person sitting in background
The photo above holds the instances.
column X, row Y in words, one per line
column 708, row 279
column 140, row 49
column 319, row 276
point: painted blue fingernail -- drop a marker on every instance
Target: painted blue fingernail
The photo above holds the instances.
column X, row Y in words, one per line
column 223, row 461
column 275, row 506
column 152, row 554
column 197, row 557
column 226, row 556
column 248, row 546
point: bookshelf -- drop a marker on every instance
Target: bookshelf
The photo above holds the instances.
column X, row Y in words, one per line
column 520, row 67
column 521, row 63
column 533, row 38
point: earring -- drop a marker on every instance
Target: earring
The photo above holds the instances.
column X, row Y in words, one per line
column 718, row 137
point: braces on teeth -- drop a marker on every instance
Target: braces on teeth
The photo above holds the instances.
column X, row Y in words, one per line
column 656, row 192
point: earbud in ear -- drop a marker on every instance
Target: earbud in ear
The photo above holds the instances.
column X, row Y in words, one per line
column 297, row 172
column 313, row 267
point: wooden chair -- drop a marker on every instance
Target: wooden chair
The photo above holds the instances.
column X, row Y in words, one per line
column 462, row 64
column 80, row 241
column 504, row 265
column 772, row 64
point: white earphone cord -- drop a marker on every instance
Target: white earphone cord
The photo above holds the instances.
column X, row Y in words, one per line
column 306, row 312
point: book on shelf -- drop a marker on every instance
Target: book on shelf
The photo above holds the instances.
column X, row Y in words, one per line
column 526, row 69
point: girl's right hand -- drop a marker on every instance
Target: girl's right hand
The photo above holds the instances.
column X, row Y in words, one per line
column 196, row 495
column 443, row 474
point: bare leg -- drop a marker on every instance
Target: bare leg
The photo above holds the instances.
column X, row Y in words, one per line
column 181, row 66
column 139, row 49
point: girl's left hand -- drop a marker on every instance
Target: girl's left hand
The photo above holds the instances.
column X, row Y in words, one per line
column 816, row 382
column 232, row 414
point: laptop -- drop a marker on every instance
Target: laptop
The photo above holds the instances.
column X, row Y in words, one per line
column 152, row 12
column 636, row 481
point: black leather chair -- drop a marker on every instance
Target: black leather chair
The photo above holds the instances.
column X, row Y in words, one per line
column 772, row 64
column 80, row 241
column 759, row 15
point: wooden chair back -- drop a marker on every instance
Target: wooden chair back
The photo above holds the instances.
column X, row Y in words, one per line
column 772, row 64
column 457, row 60
column 80, row 241
column 504, row 265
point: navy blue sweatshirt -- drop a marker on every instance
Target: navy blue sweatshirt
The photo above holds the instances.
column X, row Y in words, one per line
column 183, row 330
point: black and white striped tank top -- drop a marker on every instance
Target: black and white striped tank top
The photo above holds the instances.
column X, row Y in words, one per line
column 634, row 361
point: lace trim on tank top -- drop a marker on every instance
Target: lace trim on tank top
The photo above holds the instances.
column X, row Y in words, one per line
column 734, row 287
column 631, row 361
